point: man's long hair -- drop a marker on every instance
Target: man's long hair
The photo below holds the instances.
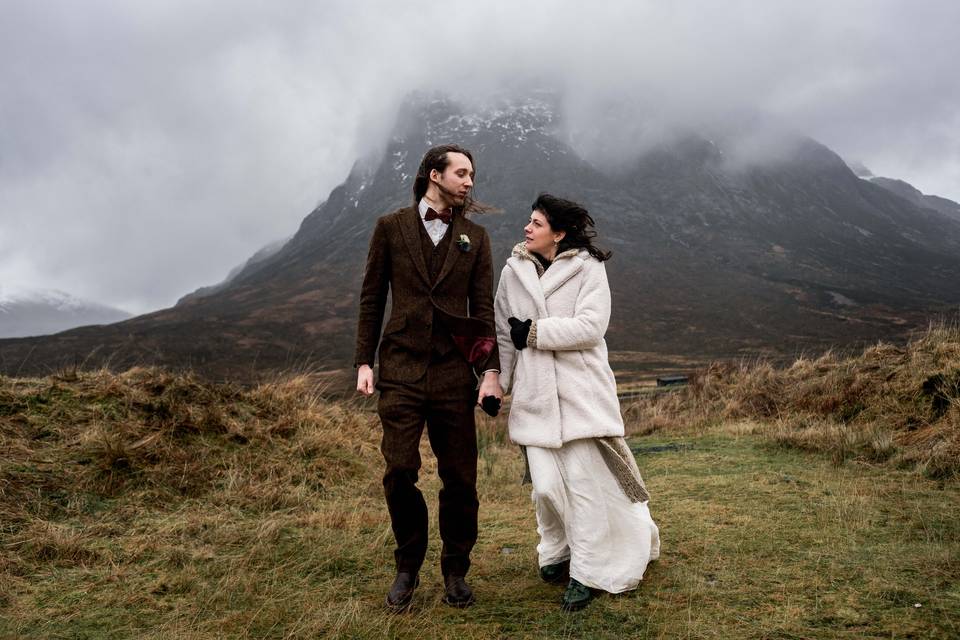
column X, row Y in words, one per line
column 566, row 215
column 436, row 158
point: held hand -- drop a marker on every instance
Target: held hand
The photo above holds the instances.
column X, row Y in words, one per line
column 490, row 386
column 365, row 380
column 519, row 330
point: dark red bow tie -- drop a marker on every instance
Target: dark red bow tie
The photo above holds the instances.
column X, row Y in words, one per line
column 446, row 215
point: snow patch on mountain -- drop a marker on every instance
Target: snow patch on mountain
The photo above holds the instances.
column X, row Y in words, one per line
column 30, row 312
column 514, row 122
column 52, row 298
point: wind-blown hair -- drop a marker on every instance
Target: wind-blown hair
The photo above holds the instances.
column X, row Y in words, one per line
column 436, row 158
column 568, row 216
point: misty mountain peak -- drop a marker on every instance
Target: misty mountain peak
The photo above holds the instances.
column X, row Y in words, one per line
column 53, row 298
column 725, row 242
column 508, row 120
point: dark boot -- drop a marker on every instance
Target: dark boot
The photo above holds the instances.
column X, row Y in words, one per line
column 458, row 592
column 401, row 592
column 576, row 597
column 555, row 573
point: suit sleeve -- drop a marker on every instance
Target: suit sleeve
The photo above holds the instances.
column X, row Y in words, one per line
column 587, row 326
column 481, row 298
column 508, row 352
column 373, row 296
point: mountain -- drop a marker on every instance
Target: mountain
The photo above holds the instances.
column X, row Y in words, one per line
column 250, row 264
column 909, row 192
column 912, row 194
column 720, row 250
column 40, row 312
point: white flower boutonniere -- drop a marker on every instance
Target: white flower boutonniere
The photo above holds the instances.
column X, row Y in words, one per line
column 463, row 242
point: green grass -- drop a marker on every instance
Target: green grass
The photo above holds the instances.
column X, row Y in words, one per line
column 758, row 542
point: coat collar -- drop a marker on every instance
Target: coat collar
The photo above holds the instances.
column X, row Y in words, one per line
column 566, row 265
column 411, row 237
column 456, row 228
column 409, row 228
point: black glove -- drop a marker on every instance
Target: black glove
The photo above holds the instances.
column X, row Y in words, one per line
column 519, row 332
column 491, row 405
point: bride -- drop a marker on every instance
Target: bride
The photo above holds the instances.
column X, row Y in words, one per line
column 552, row 310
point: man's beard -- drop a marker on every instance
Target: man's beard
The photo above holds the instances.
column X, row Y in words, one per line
column 455, row 199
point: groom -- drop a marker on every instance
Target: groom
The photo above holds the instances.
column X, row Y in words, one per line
column 439, row 337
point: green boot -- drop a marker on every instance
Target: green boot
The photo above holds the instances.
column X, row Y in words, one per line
column 555, row 573
column 576, row 597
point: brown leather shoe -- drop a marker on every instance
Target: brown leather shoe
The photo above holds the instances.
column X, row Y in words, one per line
column 458, row 592
column 401, row 591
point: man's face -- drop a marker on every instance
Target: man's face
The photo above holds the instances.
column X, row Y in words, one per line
column 456, row 180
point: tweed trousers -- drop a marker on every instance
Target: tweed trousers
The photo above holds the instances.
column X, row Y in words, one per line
column 443, row 399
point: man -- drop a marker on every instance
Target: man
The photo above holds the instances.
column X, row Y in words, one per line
column 437, row 266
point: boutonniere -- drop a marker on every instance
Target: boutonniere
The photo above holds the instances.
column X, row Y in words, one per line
column 463, row 242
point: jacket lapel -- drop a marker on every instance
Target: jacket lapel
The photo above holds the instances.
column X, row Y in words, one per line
column 453, row 251
column 542, row 287
column 527, row 274
column 411, row 237
column 558, row 274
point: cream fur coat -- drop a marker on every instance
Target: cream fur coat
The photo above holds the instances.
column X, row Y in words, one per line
column 563, row 388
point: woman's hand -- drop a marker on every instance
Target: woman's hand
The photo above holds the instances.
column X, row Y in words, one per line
column 519, row 330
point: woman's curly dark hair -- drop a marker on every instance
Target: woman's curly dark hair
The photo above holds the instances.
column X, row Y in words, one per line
column 568, row 216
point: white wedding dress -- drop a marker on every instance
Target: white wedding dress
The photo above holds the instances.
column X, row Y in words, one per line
column 583, row 515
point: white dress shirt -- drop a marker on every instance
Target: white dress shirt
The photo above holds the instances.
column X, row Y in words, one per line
column 436, row 228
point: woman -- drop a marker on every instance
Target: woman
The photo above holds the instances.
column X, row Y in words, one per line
column 552, row 311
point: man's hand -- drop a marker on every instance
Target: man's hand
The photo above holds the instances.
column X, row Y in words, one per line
column 365, row 380
column 490, row 386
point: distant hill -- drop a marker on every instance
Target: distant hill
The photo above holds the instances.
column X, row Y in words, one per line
column 715, row 253
column 914, row 195
column 40, row 312
column 249, row 264
column 909, row 192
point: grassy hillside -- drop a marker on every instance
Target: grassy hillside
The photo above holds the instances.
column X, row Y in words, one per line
column 899, row 405
column 153, row 505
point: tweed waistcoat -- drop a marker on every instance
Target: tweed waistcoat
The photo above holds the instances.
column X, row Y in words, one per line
column 434, row 256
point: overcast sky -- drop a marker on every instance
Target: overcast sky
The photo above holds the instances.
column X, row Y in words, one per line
column 147, row 147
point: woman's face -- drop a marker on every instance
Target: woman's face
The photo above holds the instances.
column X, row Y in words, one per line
column 539, row 237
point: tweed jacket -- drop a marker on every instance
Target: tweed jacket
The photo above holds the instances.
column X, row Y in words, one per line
column 395, row 264
column 562, row 384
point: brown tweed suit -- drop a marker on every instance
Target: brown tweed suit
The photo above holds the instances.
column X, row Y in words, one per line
column 423, row 377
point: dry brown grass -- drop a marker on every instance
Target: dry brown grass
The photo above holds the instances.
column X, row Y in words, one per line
column 889, row 403
column 154, row 505
column 167, row 437
column 155, row 490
